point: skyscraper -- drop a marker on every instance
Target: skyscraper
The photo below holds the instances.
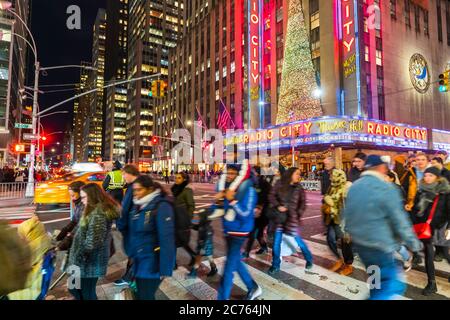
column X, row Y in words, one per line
column 94, row 121
column 154, row 27
column 13, row 51
column 115, row 98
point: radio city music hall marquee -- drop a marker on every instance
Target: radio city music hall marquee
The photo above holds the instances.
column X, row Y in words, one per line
column 335, row 130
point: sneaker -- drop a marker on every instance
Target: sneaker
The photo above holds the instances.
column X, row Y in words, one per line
column 262, row 251
column 274, row 271
column 309, row 265
column 213, row 271
column 120, row 282
column 254, row 293
column 430, row 288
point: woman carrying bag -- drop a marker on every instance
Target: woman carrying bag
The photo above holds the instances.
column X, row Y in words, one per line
column 288, row 202
column 431, row 216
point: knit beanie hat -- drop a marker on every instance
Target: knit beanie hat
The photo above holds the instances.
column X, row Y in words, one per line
column 434, row 170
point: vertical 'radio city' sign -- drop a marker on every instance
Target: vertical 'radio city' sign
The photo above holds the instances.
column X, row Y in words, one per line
column 254, row 46
column 348, row 37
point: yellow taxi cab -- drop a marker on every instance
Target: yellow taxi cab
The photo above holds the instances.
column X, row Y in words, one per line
column 57, row 191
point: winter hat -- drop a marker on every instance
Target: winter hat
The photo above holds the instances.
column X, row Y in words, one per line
column 361, row 155
column 373, row 161
column 434, row 170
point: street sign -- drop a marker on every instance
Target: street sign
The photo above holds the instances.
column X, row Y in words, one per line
column 30, row 136
column 23, row 126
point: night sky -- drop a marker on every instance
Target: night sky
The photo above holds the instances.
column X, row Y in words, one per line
column 57, row 45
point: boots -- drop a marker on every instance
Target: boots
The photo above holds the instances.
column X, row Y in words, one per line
column 213, row 271
column 347, row 269
column 338, row 265
column 430, row 288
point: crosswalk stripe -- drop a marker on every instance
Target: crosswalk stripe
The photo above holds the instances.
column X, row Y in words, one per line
column 173, row 289
column 198, row 288
column 345, row 287
column 413, row 278
column 272, row 289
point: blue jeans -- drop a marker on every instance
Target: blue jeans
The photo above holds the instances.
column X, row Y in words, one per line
column 390, row 282
column 234, row 264
column 276, row 251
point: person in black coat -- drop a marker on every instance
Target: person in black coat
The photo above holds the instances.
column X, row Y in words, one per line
column 434, row 191
column 439, row 163
column 263, row 188
column 359, row 161
column 326, row 175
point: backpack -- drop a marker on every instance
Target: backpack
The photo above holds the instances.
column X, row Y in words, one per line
column 15, row 257
column 182, row 224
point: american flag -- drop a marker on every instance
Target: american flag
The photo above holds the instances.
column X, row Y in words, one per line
column 224, row 116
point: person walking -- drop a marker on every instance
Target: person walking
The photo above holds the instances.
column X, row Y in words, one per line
column 130, row 173
column 415, row 176
column 376, row 221
column 65, row 237
column 445, row 158
column 243, row 203
column 90, row 250
column 263, row 189
column 332, row 210
column 329, row 165
column 184, row 209
column 114, row 183
column 358, row 166
column 288, row 199
column 151, row 231
column 432, row 208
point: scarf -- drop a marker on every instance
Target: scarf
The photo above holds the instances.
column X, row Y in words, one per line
column 144, row 201
column 428, row 193
column 178, row 188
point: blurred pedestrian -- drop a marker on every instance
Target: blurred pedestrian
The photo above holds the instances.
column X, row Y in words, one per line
column 184, row 209
column 130, row 173
column 114, row 183
column 415, row 176
column 90, row 250
column 376, row 221
column 288, row 201
column 358, row 166
column 263, row 189
column 445, row 158
column 65, row 237
column 439, row 163
column 151, row 229
column 332, row 210
column 329, row 165
column 243, row 202
column 432, row 209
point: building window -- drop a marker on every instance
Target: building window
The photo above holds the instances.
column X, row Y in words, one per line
column 379, row 58
column 393, row 7
column 313, row 6
column 439, row 20
column 407, row 13
column 367, row 57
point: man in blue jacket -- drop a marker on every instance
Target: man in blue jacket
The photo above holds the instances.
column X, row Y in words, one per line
column 237, row 230
column 375, row 219
column 130, row 173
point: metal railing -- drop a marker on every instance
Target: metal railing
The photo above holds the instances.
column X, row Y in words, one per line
column 12, row 190
column 311, row 185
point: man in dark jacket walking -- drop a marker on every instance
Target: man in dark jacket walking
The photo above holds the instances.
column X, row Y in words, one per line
column 263, row 189
column 358, row 162
column 329, row 165
column 130, row 174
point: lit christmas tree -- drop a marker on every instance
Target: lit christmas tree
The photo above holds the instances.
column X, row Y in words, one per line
column 298, row 82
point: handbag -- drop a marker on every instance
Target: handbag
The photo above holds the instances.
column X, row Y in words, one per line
column 423, row 230
column 277, row 216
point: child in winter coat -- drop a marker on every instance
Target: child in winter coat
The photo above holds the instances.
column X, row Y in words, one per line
column 205, row 247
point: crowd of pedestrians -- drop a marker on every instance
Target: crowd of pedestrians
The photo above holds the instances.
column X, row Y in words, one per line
column 389, row 212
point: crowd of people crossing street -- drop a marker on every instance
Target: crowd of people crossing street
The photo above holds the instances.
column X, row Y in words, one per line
column 387, row 212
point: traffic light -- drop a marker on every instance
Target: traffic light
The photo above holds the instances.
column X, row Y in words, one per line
column 162, row 88
column 444, row 81
column 44, row 138
column 19, row 148
column 155, row 141
column 154, row 92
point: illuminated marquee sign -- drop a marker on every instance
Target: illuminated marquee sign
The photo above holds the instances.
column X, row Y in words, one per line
column 335, row 130
column 254, row 46
column 348, row 37
column 441, row 140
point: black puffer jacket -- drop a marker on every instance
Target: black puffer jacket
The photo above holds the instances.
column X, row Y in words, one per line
column 295, row 200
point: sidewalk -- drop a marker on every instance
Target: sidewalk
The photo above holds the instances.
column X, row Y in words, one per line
column 12, row 203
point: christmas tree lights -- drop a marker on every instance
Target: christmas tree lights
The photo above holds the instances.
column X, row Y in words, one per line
column 298, row 99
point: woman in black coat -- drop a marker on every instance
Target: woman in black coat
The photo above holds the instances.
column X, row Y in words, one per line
column 434, row 191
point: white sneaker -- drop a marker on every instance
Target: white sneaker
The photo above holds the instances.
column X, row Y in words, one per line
column 255, row 293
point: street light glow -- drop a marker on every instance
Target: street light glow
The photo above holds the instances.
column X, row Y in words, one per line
column 189, row 123
column 317, row 93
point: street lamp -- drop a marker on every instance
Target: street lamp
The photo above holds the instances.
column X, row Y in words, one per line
column 189, row 123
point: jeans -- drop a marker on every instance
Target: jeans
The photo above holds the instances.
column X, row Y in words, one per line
column 87, row 290
column 276, row 251
column 234, row 264
column 146, row 288
column 390, row 282
column 334, row 233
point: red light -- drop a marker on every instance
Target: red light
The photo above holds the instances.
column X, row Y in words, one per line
column 155, row 140
column 44, row 138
